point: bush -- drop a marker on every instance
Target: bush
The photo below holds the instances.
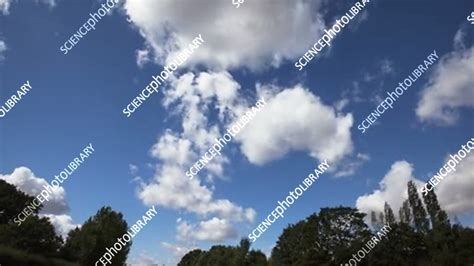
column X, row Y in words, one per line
column 13, row 257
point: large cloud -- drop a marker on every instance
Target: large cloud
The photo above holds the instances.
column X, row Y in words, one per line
column 172, row 189
column 450, row 87
column 296, row 120
column 56, row 208
column 194, row 98
column 455, row 192
column 393, row 189
column 233, row 37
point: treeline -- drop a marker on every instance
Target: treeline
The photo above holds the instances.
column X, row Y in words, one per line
column 423, row 235
column 35, row 242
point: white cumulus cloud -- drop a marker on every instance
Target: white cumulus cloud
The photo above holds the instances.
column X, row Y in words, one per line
column 233, row 37
column 455, row 192
column 215, row 230
column 450, row 88
column 191, row 96
column 310, row 126
column 393, row 189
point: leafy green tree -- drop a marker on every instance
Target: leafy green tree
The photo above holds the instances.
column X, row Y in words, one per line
column 403, row 246
column 220, row 256
column 35, row 235
column 340, row 231
column 242, row 251
column 463, row 240
column 256, row 258
column 12, row 202
column 191, row 258
column 88, row 243
column 225, row 256
column 418, row 211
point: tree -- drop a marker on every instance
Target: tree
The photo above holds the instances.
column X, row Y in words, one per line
column 35, row 235
column 87, row 244
column 405, row 213
column 12, row 202
column 340, row 231
column 381, row 218
column 224, row 256
column 373, row 218
column 389, row 216
column 191, row 258
column 256, row 258
column 438, row 217
column 404, row 246
column 242, row 251
column 220, row 256
column 418, row 211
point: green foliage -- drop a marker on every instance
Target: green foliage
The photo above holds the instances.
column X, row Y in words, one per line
column 404, row 246
column 191, row 258
column 337, row 230
column 418, row 211
column 37, row 240
column 12, row 202
column 11, row 256
column 87, row 244
column 225, row 256
column 389, row 216
column 438, row 217
column 35, row 235
column 405, row 213
column 334, row 235
column 256, row 258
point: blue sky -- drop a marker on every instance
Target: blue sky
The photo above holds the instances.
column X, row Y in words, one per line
column 78, row 99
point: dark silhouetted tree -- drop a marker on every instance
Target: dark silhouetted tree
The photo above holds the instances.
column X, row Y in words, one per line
column 339, row 232
column 225, row 256
column 418, row 211
column 256, row 258
column 191, row 258
column 87, row 244
column 35, row 235
column 12, row 202
column 438, row 217
column 405, row 213
column 381, row 218
column 389, row 216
